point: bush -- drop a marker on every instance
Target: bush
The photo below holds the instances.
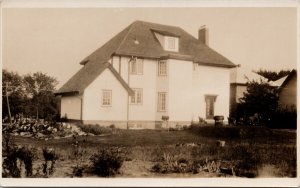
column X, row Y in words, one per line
column 78, row 154
column 96, row 129
column 50, row 156
column 12, row 154
column 107, row 161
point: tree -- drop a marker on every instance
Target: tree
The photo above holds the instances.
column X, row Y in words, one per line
column 12, row 83
column 39, row 88
column 273, row 75
column 260, row 99
column 38, row 82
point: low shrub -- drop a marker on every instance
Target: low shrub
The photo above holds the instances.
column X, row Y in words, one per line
column 96, row 129
column 107, row 161
column 50, row 156
column 14, row 157
column 78, row 153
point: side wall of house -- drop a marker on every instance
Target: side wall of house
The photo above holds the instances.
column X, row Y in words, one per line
column 288, row 95
column 210, row 81
column 143, row 115
column 95, row 112
column 71, row 107
column 180, row 95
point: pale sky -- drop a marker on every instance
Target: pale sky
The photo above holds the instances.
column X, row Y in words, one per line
column 55, row 40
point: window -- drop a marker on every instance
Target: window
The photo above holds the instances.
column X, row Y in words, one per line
column 137, row 97
column 162, row 101
column 106, row 97
column 210, row 105
column 162, row 68
column 171, row 43
column 136, row 66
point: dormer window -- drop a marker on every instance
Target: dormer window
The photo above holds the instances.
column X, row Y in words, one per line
column 171, row 43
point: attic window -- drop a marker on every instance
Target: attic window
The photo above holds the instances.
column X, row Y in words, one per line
column 171, row 43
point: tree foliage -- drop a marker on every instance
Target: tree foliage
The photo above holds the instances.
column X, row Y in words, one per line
column 261, row 99
column 273, row 75
column 15, row 93
column 30, row 95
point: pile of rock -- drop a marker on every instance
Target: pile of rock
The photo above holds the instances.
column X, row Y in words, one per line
column 43, row 130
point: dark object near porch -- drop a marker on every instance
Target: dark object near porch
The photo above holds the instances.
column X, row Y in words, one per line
column 218, row 120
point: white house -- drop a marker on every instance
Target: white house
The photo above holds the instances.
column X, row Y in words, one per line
column 145, row 72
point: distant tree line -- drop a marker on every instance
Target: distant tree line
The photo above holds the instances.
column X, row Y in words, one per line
column 31, row 95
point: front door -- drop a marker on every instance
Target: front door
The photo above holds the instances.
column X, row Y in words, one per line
column 210, row 106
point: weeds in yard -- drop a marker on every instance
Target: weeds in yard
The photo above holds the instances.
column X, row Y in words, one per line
column 15, row 157
column 50, row 157
column 107, row 161
column 78, row 153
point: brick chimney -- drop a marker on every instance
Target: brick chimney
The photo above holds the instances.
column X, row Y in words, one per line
column 203, row 34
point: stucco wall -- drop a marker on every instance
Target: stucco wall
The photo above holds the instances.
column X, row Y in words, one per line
column 146, row 82
column 71, row 107
column 180, row 90
column 92, row 102
column 162, row 85
column 210, row 81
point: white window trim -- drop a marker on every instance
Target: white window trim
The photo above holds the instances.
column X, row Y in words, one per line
column 159, row 106
column 110, row 97
column 135, row 96
column 159, row 73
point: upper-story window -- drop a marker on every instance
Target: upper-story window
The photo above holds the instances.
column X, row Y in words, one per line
column 171, row 43
column 136, row 66
column 162, row 68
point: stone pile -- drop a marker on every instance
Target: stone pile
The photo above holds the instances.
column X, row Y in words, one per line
column 43, row 130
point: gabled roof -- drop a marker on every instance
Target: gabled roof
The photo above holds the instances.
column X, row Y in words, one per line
column 278, row 82
column 148, row 46
column 86, row 75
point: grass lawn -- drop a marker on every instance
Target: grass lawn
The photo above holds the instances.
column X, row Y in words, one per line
column 250, row 151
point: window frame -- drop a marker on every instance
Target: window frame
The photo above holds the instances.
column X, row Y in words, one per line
column 171, row 40
column 160, row 102
column 171, row 43
column 103, row 97
column 138, row 65
column 160, row 72
column 135, row 97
